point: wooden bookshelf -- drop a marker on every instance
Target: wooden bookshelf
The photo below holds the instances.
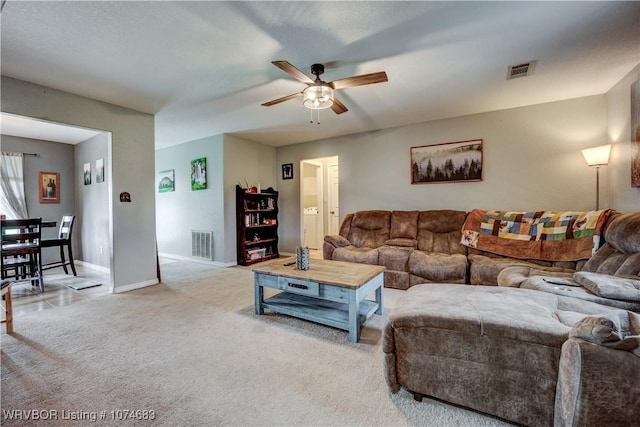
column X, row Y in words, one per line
column 257, row 225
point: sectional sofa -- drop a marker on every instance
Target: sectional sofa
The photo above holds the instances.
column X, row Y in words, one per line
column 554, row 341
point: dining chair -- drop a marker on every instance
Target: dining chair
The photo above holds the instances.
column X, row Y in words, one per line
column 63, row 241
column 20, row 257
column 6, row 295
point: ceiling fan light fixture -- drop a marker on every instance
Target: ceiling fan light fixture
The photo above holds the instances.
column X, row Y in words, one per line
column 317, row 97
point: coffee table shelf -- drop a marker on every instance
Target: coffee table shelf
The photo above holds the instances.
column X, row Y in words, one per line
column 330, row 313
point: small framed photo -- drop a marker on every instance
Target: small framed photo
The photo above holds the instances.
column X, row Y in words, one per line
column 49, row 185
column 287, row 171
column 166, row 181
column 100, row 170
column 87, row 173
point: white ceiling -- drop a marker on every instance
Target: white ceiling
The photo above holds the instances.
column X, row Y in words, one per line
column 204, row 68
column 24, row 127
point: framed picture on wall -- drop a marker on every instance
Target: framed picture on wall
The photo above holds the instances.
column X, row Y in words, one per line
column 166, row 181
column 100, row 170
column 49, row 186
column 448, row 162
column 199, row 174
column 287, row 171
column 87, row 173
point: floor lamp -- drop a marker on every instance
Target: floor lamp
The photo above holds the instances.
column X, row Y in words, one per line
column 597, row 156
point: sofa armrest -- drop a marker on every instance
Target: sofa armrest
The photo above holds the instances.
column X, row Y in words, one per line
column 337, row 241
column 331, row 243
column 516, row 275
column 597, row 385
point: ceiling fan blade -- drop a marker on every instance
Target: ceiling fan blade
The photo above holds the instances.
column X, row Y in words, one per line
column 338, row 107
column 364, row 79
column 279, row 100
column 293, row 71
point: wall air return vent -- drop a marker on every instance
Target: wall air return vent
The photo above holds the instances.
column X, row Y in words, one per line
column 520, row 70
column 202, row 244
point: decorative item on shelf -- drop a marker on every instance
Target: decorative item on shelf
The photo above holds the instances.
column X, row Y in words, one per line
column 302, row 258
column 597, row 156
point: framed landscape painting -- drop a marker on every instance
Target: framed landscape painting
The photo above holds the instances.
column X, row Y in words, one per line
column 166, row 181
column 448, row 162
column 199, row 174
column 49, row 186
column 100, row 170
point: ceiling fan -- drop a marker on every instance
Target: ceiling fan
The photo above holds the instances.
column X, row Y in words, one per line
column 319, row 94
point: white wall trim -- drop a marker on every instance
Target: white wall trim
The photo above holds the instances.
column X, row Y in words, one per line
column 133, row 286
column 199, row 261
column 99, row 268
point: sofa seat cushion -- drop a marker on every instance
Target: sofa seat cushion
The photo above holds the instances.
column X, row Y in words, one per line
column 580, row 293
column 437, row 267
column 351, row 253
column 608, row 286
column 485, row 270
column 514, row 276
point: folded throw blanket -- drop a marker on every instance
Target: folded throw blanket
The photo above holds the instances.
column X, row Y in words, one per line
column 617, row 329
column 541, row 235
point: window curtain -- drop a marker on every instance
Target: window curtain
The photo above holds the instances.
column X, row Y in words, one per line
column 13, row 202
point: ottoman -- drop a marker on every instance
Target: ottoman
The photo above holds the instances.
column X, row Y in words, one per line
column 492, row 349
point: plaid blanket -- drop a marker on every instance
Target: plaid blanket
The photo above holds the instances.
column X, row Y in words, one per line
column 542, row 235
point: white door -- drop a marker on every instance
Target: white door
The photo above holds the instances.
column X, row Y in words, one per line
column 334, row 211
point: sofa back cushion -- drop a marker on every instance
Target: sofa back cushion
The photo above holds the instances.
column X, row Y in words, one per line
column 440, row 231
column 620, row 256
column 369, row 228
column 404, row 225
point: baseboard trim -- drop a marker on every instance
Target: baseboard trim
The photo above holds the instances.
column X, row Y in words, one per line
column 133, row 286
column 196, row 260
column 99, row 268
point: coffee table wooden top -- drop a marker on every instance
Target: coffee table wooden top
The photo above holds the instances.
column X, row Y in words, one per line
column 339, row 273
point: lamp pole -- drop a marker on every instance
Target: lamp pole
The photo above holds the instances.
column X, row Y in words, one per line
column 597, row 187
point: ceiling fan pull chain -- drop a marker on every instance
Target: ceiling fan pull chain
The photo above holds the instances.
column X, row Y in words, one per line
column 311, row 112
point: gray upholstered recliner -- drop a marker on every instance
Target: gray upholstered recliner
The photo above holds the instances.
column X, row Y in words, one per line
column 611, row 277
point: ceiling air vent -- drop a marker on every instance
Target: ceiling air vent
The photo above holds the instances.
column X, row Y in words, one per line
column 520, row 70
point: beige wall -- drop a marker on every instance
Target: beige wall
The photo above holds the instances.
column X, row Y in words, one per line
column 622, row 196
column 130, row 166
column 243, row 160
column 532, row 161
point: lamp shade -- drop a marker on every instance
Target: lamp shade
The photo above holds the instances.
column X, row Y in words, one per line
column 318, row 97
column 597, row 156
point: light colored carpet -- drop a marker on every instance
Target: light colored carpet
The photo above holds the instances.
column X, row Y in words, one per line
column 192, row 350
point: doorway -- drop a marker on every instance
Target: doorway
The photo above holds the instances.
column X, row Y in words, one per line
column 319, row 210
